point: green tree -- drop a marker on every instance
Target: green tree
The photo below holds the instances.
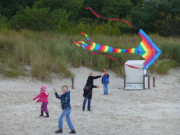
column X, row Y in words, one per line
column 117, row 8
column 167, row 24
column 64, row 25
column 74, row 7
column 3, row 22
column 51, row 4
column 157, row 16
column 9, row 8
column 31, row 18
column 137, row 2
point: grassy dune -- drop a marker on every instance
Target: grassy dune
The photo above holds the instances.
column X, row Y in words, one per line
column 48, row 53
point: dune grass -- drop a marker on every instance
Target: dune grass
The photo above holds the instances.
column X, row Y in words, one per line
column 164, row 66
column 48, row 53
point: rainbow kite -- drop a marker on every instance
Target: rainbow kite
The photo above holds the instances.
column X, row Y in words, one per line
column 147, row 48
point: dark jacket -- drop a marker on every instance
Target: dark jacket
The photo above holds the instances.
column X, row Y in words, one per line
column 65, row 100
column 105, row 78
column 88, row 93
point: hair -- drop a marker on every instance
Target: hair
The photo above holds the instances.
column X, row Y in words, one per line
column 91, row 73
column 65, row 86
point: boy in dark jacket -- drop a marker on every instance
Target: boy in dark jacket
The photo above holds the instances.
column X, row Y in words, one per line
column 105, row 81
column 66, row 107
column 88, row 90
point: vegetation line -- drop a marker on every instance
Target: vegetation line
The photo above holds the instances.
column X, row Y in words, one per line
column 48, row 53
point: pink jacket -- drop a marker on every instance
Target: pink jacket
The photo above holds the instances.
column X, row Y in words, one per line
column 43, row 96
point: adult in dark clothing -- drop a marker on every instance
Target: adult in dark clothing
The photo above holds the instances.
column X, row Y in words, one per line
column 88, row 90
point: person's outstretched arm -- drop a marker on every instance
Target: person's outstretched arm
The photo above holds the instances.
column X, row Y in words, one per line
column 96, row 77
column 95, row 86
column 38, row 96
column 57, row 96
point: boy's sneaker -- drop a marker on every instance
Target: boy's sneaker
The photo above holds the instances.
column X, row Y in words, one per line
column 59, row 131
column 89, row 109
column 72, row 132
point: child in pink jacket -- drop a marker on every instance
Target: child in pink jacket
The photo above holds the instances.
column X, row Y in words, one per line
column 43, row 97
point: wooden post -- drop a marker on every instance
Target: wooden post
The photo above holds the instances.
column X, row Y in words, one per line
column 124, row 82
column 153, row 81
column 72, row 82
column 148, row 82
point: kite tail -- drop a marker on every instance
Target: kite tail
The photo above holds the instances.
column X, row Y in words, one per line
column 104, row 48
column 87, row 37
column 114, row 59
column 114, row 19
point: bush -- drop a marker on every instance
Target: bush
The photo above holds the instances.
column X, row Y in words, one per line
column 4, row 24
column 31, row 18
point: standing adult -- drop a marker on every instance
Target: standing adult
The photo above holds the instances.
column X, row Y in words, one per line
column 105, row 81
column 88, row 90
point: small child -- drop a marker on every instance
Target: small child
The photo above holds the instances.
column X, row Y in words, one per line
column 105, row 81
column 43, row 97
column 66, row 107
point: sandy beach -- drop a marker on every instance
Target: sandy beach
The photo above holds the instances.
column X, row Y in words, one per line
column 155, row 111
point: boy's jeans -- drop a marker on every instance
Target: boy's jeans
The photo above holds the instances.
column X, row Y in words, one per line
column 66, row 113
column 105, row 85
column 89, row 103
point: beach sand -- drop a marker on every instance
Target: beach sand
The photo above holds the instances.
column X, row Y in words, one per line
column 154, row 111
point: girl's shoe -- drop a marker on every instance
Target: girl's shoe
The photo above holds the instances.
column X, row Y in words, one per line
column 41, row 114
column 59, row 131
column 47, row 115
column 72, row 132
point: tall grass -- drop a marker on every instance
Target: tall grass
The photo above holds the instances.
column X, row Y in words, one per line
column 48, row 53
column 164, row 66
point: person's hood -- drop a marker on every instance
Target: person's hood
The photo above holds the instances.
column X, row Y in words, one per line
column 43, row 87
column 44, row 92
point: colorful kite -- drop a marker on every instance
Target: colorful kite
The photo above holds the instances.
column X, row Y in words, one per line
column 147, row 48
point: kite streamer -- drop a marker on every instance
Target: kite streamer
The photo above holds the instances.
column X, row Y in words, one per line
column 146, row 49
column 114, row 59
column 114, row 19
